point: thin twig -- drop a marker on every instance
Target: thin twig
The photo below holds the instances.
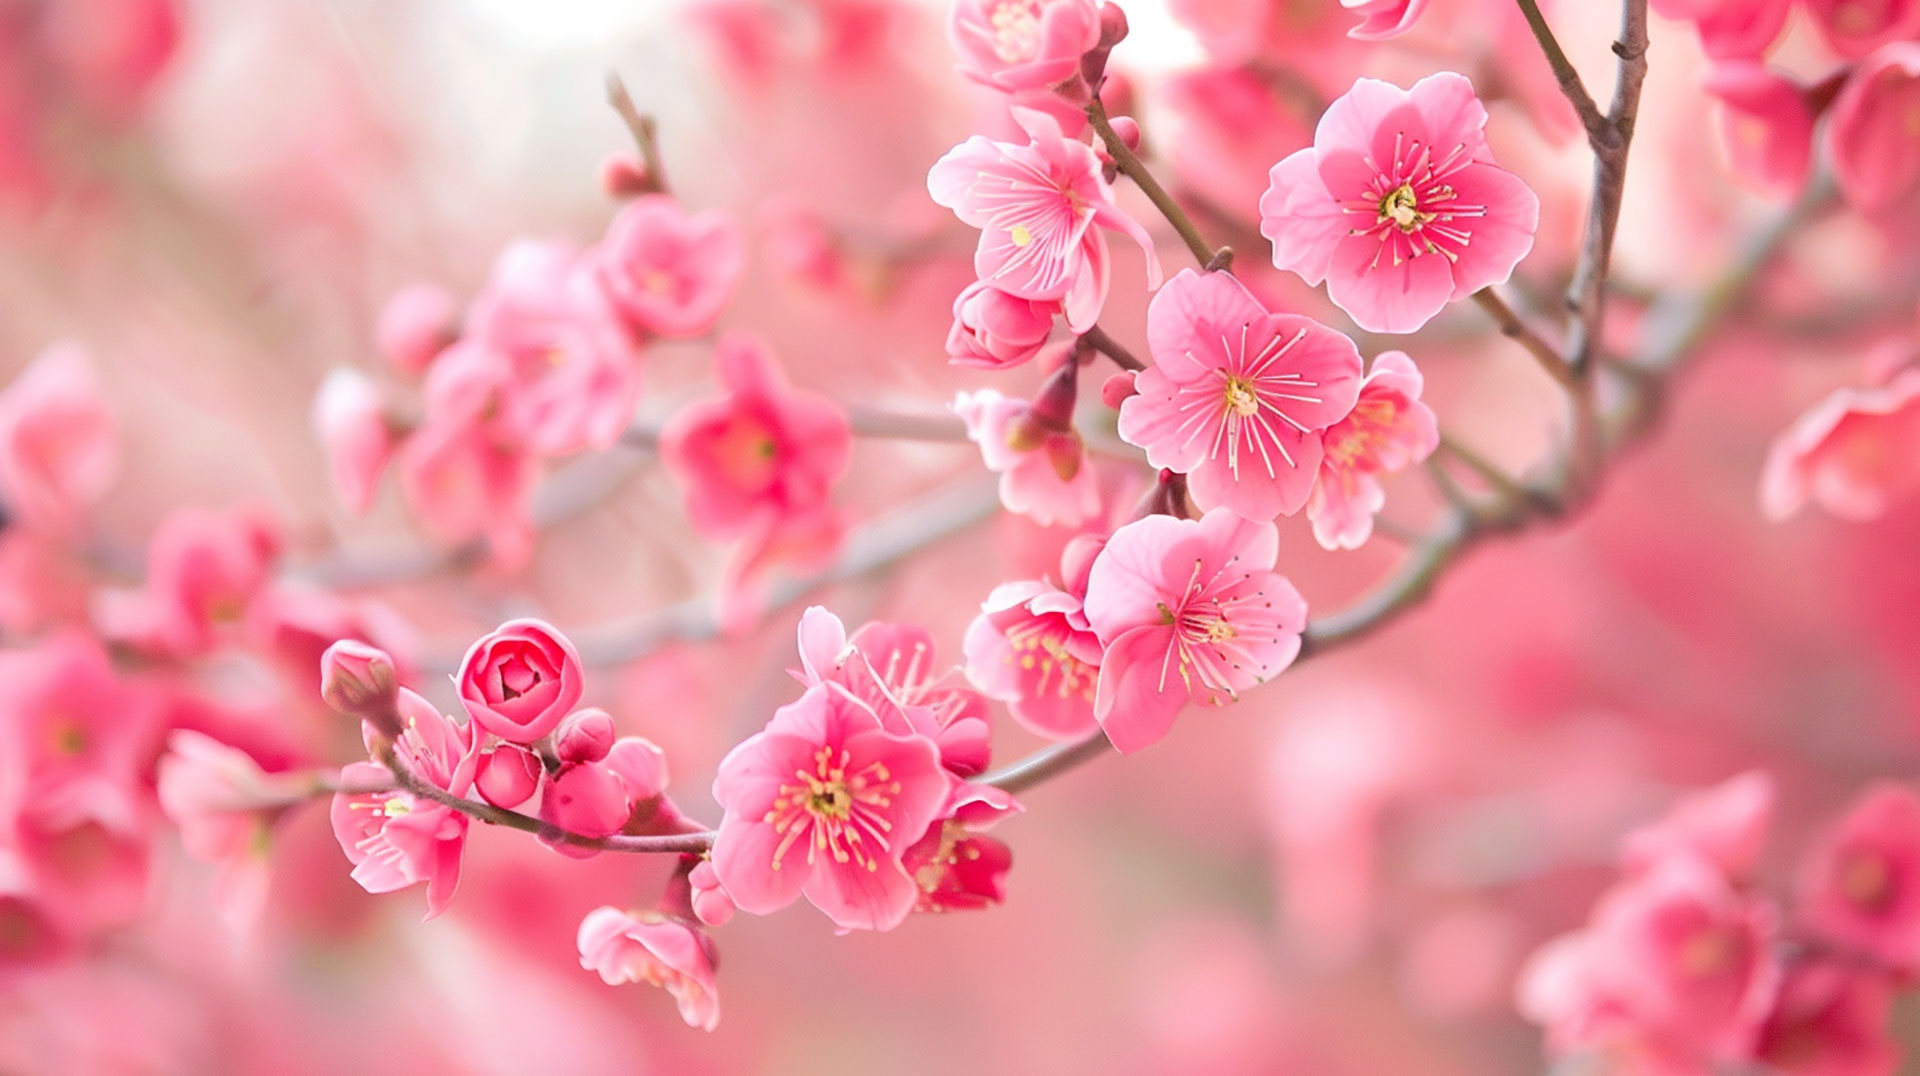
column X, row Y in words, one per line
column 1564, row 73
column 1515, row 328
column 1130, row 165
column 1112, row 349
column 644, row 129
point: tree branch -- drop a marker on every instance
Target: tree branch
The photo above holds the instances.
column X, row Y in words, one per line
column 1130, row 165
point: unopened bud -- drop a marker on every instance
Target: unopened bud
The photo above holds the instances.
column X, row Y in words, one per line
column 1117, row 388
column 507, row 776
column 585, row 736
column 1128, row 129
column 622, row 175
column 641, row 765
column 358, row 680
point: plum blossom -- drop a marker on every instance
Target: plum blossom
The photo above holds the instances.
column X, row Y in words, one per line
column 825, row 802
column 1860, row 888
column 1040, row 208
column 463, row 484
column 1398, row 205
column 1187, row 610
column 667, row 271
column 996, row 331
column 520, row 680
column 1382, row 19
column 1766, row 126
column 1388, row 430
column 708, row 897
column 1237, row 396
column 1050, row 482
column 58, row 439
column 1032, row 648
column 1853, row 453
column 956, row 866
column 1871, row 130
column 1020, row 45
column 647, row 947
column 205, row 569
column 209, row 790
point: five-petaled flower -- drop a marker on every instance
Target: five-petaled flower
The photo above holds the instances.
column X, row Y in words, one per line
column 1388, row 430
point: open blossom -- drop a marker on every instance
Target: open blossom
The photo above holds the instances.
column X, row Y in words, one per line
column 1766, row 125
column 520, row 680
column 670, row 272
column 1017, row 45
column 956, row 866
column 351, row 424
column 1040, row 209
column 58, row 439
column 1829, row 1018
column 1381, row 19
column 1388, row 430
column 1854, row 453
column 1860, row 889
column 1725, row 826
column 1237, row 396
column 647, row 947
column 765, row 451
column 396, row 839
column 205, row 569
column 1398, row 205
column 1857, row 27
column 1871, row 131
column 994, row 330
column 824, row 802
column 1050, row 482
column 1187, row 610
column 1032, row 648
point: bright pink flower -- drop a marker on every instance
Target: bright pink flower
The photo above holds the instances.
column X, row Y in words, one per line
column 461, row 484
column 395, row 839
column 1398, row 205
column 996, row 331
column 1873, row 132
column 58, row 439
column 955, row 865
column 1724, row 827
column 645, row 947
column 1031, row 648
column 1765, row 124
column 1187, row 610
column 1830, row 1019
column 1860, row 888
column 825, row 802
column 669, row 272
column 1388, row 430
column 1237, row 396
column 1040, row 208
column 1382, row 19
column 351, row 424
column 1016, row 45
column 507, row 776
column 1856, row 27
column 519, row 680
column 1050, row 482
column 1731, row 29
column 87, row 847
column 765, row 451
column 588, row 799
column 204, row 570
column 1853, row 453
column 711, row 905
column 417, row 323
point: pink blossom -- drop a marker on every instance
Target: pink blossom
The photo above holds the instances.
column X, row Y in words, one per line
column 669, row 272
column 1871, row 130
column 395, row 839
column 585, row 736
column 351, row 424
column 1830, row 1019
column 1398, row 205
column 804, row 544
column 204, row 570
column 1031, row 648
column 507, row 776
column 764, row 452
column 1186, row 610
column 1724, row 827
column 1388, row 430
column 996, row 331
column 211, row 792
column 824, row 802
column 1040, row 208
column 416, row 324
column 58, row 439
column 1857, row 27
column 711, row 905
column 1016, row 45
column 68, row 719
column 1237, row 396
column 1766, row 126
column 585, row 798
column 642, row 767
column 360, row 680
column 461, row 484
column 519, row 680
column 1382, row 19
column 955, row 865
column 1854, row 453
column 1860, row 887
column 1731, row 29
column 87, row 847
column 1050, row 482
column 645, row 947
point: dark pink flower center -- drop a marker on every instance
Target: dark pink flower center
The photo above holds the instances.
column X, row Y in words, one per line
column 1411, row 208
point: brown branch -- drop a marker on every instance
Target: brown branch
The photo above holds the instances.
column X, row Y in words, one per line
column 1515, row 328
column 1112, row 349
column 1564, row 73
column 644, row 129
column 1130, row 165
column 1587, row 294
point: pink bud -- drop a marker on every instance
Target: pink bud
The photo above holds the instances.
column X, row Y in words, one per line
column 586, row 736
column 710, row 902
column 417, row 323
column 520, row 680
column 508, row 776
column 353, row 429
column 1117, row 389
column 641, row 765
column 1129, row 131
column 358, row 680
column 588, row 799
column 622, row 175
column 1113, row 26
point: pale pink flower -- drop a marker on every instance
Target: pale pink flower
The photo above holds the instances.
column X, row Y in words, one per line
column 205, row 569
column 1860, row 887
column 711, row 905
column 462, row 484
column 520, row 680
column 1031, row 648
column 58, row 439
column 351, row 424
column 1382, row 19
column 396, row 839
column 1830, row 1018
column 1724, row 826
column 1398, row 205
column 1040, row 208
column 667, row 271
column 1873, row 131
column 1016, row 45
column 824, row 802
column 1856, row 27
column 1050, row 482
column 1765, row 124
column 642, row 767
column 359, row 679
column 1731, row 29
column 1388, row 430
column 211, row 792
column 1237, row 396
column 1187, row 610
column 996, row 331
column 956, row 866
column 1853, row 453
column 764, row 452
column 416, row 324
column 647, row 947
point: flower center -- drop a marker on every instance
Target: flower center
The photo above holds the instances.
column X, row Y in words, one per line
column 1866, row 881
column 1402, row 207
column 1016, row 30
column 1241, row 399
column 1041, row 647
column 834, row 811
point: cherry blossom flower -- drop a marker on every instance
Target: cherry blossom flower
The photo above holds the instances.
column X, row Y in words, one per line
column 1857, row 27
column 1725, row 826
column 1050, row 482
column 584, row 798
column 1398, row 205
column 394, row 838
column 1040, row 208
column 1032, row 648
column 996, row 331
column 1860, row 888
column 351, row 424
column 1186, row 610
column 1382, row 19
column 1766, row 126
column 507, row 776
column 520, row 680
column 825, row 802
column 1830, row 1019
column 764, row 452
column 647, row 947
column 956, row 866
column 669, row 272
column 463, row 484
column 1388, row 430
column 210, row 791
column 58, row 439
column 1017, row 45
column 1237, row 396
column 1853, row 453
column 1870, row 132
